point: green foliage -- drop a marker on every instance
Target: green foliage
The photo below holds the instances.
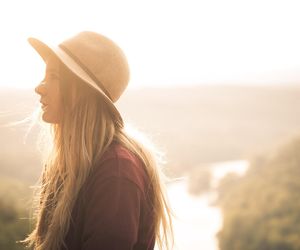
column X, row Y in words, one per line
column 261, row 210
column 14, row 225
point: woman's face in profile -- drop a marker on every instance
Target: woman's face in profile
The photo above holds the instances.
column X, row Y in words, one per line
column 49, row 91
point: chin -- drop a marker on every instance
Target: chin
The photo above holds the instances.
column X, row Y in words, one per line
column 49, row 119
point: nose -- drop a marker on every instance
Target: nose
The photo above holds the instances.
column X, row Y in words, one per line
column 40, row 89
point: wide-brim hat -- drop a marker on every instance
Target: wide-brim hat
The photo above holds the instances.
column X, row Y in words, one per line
column 96, row 60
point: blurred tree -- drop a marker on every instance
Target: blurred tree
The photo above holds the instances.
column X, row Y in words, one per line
column 13, row 210
column 262, row 209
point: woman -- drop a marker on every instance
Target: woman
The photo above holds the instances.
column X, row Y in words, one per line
column 100, row 188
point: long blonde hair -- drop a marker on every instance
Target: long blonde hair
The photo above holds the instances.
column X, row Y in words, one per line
column 87, row 129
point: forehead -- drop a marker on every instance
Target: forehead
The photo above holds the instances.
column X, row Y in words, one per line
column 52, row 64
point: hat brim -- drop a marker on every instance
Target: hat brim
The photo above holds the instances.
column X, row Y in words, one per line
column 45, row 51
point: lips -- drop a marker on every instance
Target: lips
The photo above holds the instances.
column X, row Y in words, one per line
column 44, row 105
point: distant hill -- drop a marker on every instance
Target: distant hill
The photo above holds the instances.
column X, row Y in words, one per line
column 192, row 125
column 215, row 123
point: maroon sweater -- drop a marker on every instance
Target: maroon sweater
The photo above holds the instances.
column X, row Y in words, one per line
column 113, row 210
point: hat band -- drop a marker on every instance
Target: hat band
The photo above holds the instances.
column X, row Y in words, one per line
column 90, row 74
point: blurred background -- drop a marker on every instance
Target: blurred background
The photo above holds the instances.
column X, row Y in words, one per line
column 214, row 84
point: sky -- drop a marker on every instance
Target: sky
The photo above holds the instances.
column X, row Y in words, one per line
column 167, row 42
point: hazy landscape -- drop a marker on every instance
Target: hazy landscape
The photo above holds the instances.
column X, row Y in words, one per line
column 193, row 126
column 214, row 123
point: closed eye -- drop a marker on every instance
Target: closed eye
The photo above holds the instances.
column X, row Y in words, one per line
column 53, row 77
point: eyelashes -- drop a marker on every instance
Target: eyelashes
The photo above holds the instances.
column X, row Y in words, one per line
column 51, row 77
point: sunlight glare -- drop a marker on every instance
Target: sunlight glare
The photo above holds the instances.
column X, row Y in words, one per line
column 167, row 43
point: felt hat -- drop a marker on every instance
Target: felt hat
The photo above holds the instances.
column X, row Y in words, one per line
column 95, row 59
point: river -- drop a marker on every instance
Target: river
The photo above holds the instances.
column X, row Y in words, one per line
column 197, row 222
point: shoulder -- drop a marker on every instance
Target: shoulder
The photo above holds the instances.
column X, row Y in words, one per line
column 119, row 162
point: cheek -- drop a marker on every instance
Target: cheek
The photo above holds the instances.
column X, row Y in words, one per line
column 57, row 110
column 53, row 113
column 58, row 105
column 57, row 99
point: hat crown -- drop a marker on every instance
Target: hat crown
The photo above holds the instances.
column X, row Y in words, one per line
column 102, row 60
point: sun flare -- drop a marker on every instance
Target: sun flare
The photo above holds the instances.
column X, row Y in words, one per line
column 168, row 43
